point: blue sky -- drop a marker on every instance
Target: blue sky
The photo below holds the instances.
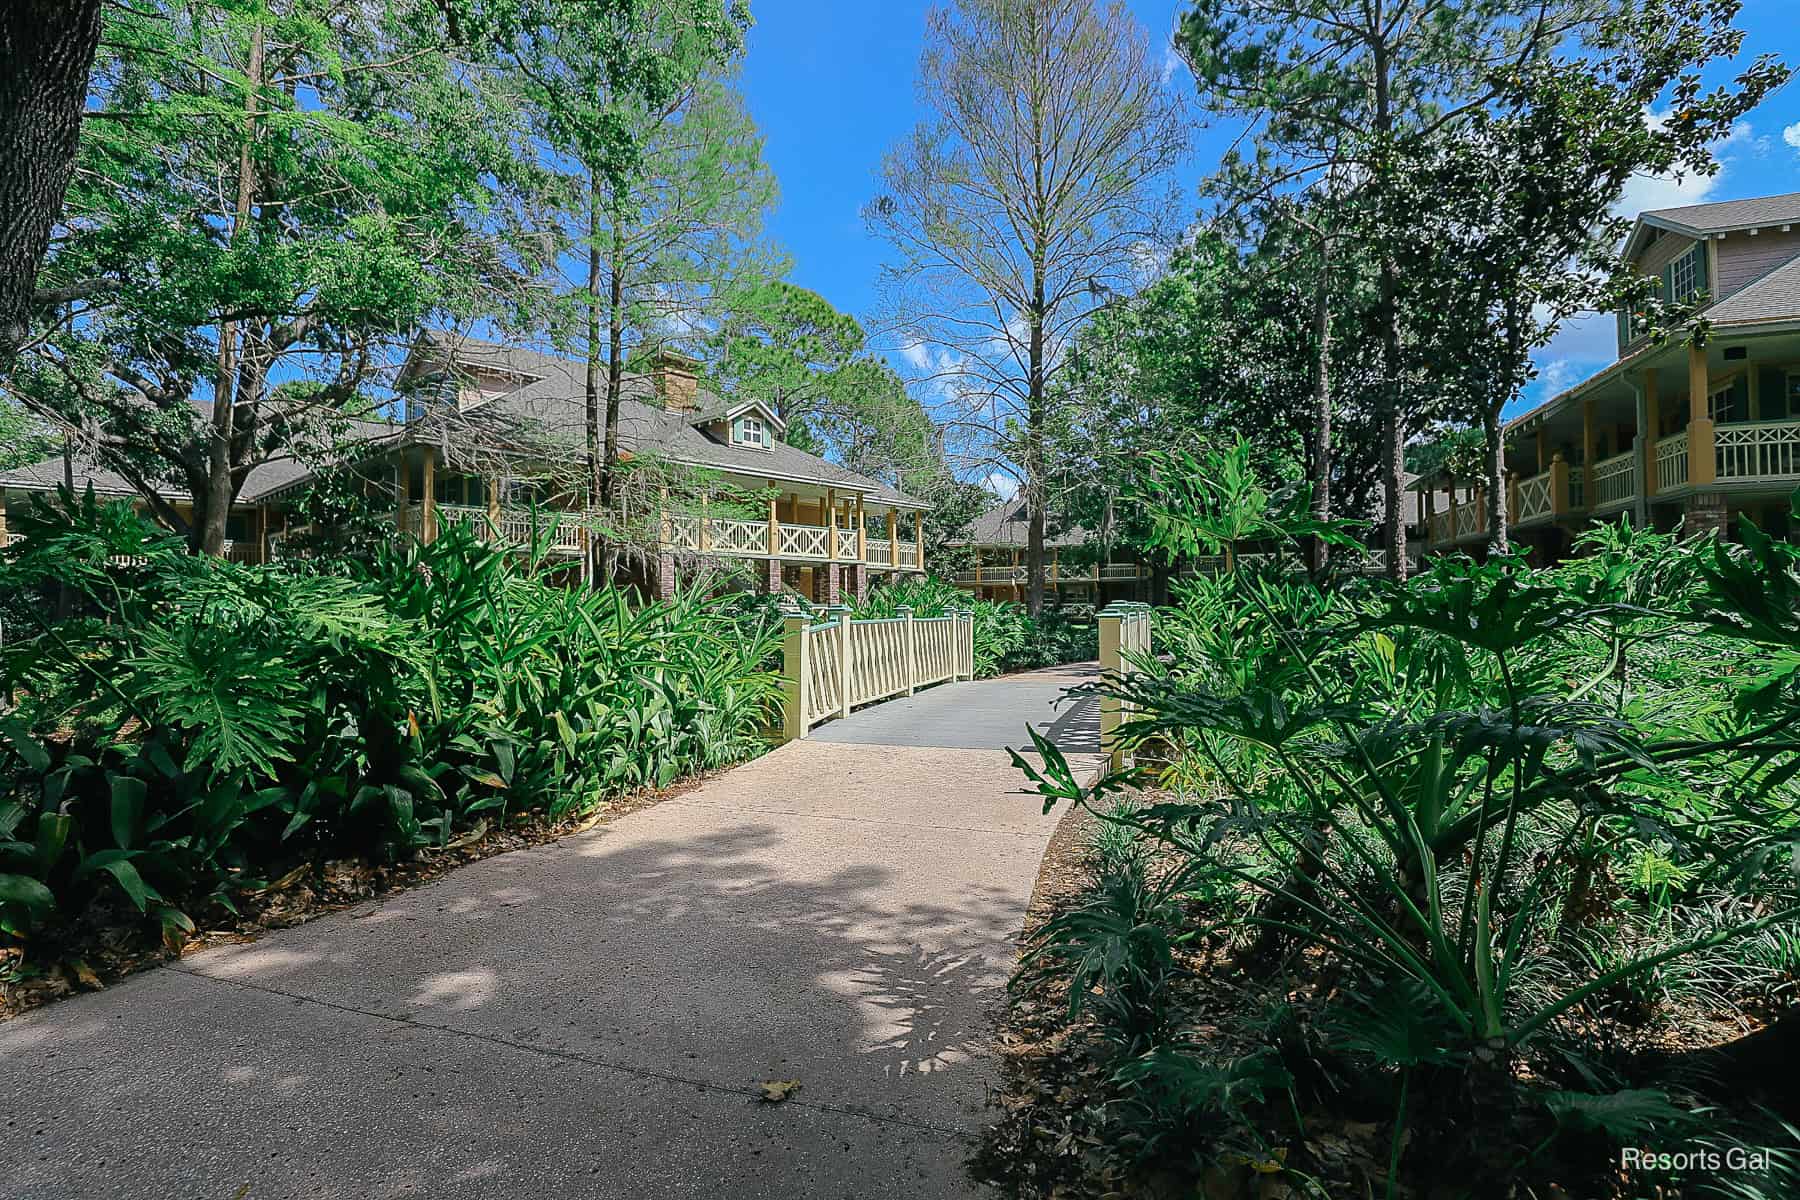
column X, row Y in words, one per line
column 831, row 84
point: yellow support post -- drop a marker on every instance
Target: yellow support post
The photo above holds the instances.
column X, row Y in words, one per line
column 1702, row 465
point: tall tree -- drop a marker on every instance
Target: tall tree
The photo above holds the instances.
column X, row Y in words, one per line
column 1024, row 200
column 272, row 194
column 1350, row 88
column 656, row 178
column 1521, row 233
column 47, row 48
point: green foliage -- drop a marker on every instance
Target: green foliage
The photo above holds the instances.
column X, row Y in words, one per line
column 198, row 726
column 1507, row 811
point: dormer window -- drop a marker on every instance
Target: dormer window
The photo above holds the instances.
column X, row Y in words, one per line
column 750, row 431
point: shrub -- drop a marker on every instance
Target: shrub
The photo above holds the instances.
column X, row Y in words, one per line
column 198, row 726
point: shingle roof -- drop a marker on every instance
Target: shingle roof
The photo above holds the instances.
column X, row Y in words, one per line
column 1774, row 297
column 1007, row 524
column 1725, row 215
column 553, row 401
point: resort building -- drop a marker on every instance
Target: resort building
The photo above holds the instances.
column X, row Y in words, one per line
column 482, row 423
column 1073, row 574
column 1684, row 433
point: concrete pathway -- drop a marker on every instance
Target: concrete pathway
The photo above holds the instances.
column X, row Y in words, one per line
column 593, row 1017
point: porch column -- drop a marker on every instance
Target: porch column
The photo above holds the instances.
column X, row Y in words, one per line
column 862, row 535
column 1430, row 509
column 428, row 503
column 493, row 486
column 402, row 489
column 1651, row 433
column 1559, row 485
column 1512, row 497
column 893, row 532
column 1702, row 466
column 665, row 575
column 831, row 533
column 774, row 531
column 770, row 577
column 919, row 525
column 859, row 581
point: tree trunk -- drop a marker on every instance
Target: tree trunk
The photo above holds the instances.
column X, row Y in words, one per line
column 1496, row 482
column 1393, row 424
column 592, row 403
column 1321, row 423
column 46, row 53
column 615, row 387
column 1035, row 483
column 215, row 505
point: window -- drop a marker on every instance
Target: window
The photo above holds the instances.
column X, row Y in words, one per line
column 1718, row 402
column 750, row 431
column 1685, row 278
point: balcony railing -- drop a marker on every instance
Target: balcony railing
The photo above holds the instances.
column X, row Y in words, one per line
column 1535, row 502
column 554, row 533
column 1056, row 573
column 1615, row 481
column 1757, row 450
column 1672, row 461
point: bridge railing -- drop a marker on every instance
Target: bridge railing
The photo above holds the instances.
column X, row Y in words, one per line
column 1124, row 644
column 833, row 665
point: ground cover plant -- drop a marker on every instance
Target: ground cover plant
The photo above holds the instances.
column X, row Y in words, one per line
column 195, row 729
column 1471, row 886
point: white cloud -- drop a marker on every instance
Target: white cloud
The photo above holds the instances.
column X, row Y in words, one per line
column 1002, row 485
column 1791, row 135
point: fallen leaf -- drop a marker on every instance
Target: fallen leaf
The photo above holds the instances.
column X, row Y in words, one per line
column 84, row 974
column 775, row 1091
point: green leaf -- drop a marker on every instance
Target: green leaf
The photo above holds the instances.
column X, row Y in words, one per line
column 27, row 892
column 128, row 796
column 29, row 748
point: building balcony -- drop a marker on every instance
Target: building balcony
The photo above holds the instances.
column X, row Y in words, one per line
column 1054, row 573
column 1744, row 457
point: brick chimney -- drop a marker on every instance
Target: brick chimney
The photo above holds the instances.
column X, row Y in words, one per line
column 677, row 380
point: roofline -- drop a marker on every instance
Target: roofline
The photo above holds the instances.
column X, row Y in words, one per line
column 1769, row 326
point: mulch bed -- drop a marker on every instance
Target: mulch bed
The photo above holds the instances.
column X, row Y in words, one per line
column 113, row 940
column 1051, row 1140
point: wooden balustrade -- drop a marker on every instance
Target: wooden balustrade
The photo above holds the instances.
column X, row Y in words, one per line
column 833, row 665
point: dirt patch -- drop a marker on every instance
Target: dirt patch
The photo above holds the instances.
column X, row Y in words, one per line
column 113, row 940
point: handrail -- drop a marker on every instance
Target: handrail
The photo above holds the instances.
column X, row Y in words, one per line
column 832, row 666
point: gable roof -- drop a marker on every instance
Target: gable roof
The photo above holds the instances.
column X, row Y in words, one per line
column 1723, row 216
column 1773, row 297
column 555, row 402
column 1008, row 524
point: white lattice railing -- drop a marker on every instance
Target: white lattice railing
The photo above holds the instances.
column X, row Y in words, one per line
column 1534, row 498
column 805, row 541
column 1672, row 461
column 878, row 550
column 846, row 545
column 832, row 666
column 1471, row 518
column 552, row 532
column 909, row 554
column 1615, row 481
column 1441, row 526
column 1757, row 449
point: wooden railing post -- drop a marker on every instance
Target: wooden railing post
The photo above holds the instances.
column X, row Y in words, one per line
column 774, row 531
column 905, row 613
column 793, row 676
column 893, row 538
column 966, row 641
column 846, row 662
column 1559, row 485
column 1112, row 619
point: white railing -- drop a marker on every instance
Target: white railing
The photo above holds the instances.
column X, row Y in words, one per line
column 1577, row 487
column 846, row 545
column 242, row 552
column 1757, row 449
column 829, row 667
column 1672, row 461
column 879, row 550
column 1124, row 644
column 1615, row 481
column 1441, row 526
column 552, row 532
column 1056, row 573
column 909, row 554
column 1471, row 518
column 805, row 541
column 1534, row 498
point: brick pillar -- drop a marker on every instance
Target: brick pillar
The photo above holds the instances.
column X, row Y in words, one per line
column 665, row 576
column 769, row 579
column 825, row 583
column 859, row 581
column 1703, row 514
